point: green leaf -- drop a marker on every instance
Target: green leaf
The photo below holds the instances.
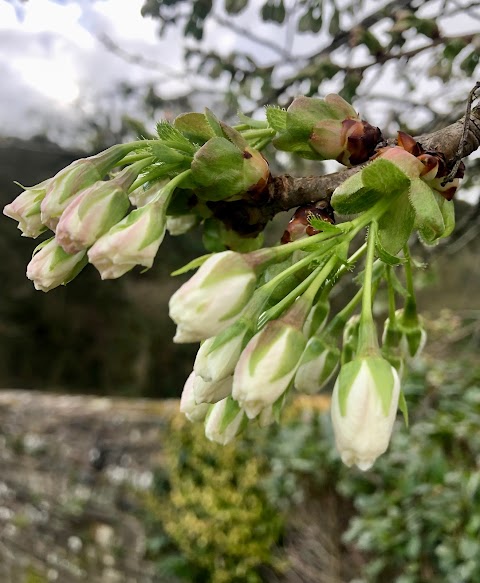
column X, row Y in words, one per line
column 172, row 138
column 469, row 64
column 213, row 123
column 235, row 6
column 168, row 155
column 428, row 216
column 249, row 121
column 385, row 178
column 384, row 255
column 352, row 197
column 396, row 225
column 324, row 226
column 194, row 264
column 194, row 126
column 212, row 236
column 276, row 117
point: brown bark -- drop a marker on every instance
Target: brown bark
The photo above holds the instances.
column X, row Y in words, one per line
column 286, row 192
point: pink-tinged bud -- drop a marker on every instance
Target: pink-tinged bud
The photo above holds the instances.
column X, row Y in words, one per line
column 225, row 421
column 217, row 357
column 267, row 366
column 350, row 142
column 81, row 174
column 133, row 241
column 340, row 108
column 91, row 214
column 50, row 266
column 211, row 391
column 364, row 405
column 26, row 210
column 142, row 196
column 408, row 164
column 213, row 298
column 95, row 210
column 188, row 406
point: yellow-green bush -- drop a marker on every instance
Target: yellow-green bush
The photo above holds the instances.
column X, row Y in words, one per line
column 214, row 509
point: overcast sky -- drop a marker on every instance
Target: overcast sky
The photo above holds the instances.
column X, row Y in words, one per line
column 54, row 71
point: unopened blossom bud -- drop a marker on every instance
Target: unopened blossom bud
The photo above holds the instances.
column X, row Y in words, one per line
column 179, row 225
column 213, row 298
column 413, row 331
column 364, row 406
column 81, row 174
column 26, row 210
column 188, row 406
column 392, row 335
column 211, row 391
column 411, row 166
column 50, row 266
column 225, row 421
column 267, row 366
column 350, row 142
column 95, row 210
column 217, row 357
column 133, row 241
column 318, row 364
column 91, row 214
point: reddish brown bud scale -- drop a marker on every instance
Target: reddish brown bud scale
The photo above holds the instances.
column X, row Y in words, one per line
column 361, row 141
column 409, row 144
column 299, row 225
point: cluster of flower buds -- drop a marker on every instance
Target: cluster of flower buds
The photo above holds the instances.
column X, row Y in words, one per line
column 327, row 129
column 262, row 315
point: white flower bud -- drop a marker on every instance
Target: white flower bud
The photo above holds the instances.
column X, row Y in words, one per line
column 218, row 356
column 364, row 406
column 26, row 210
column 224, row 422
column 188, row 406
column 213, row 298
column 50, row 266
column 133, row 241
column 267, row 366
column 90, row 214
column 211, row 391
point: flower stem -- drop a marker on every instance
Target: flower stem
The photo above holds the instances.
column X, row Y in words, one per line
column 367, row 337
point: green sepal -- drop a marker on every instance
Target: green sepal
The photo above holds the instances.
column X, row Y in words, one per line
column 194, row 126
column 402, row 405
column 348, row 373
column 381, row 371
column 276, row 118
column 232, row 409
column 428, row 216
column 242, row 327
column 194, row 264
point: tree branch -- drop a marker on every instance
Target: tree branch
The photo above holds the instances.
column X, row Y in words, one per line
column 249, row 217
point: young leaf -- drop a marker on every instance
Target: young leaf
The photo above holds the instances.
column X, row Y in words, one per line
column 194, row 264
column 276, row 118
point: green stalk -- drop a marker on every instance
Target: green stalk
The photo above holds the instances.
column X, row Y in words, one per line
column 367, row 340
column 410, row 311
column 167, row 191
column 392, row 308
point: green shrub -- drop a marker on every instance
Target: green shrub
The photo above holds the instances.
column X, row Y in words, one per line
column 212, row 509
